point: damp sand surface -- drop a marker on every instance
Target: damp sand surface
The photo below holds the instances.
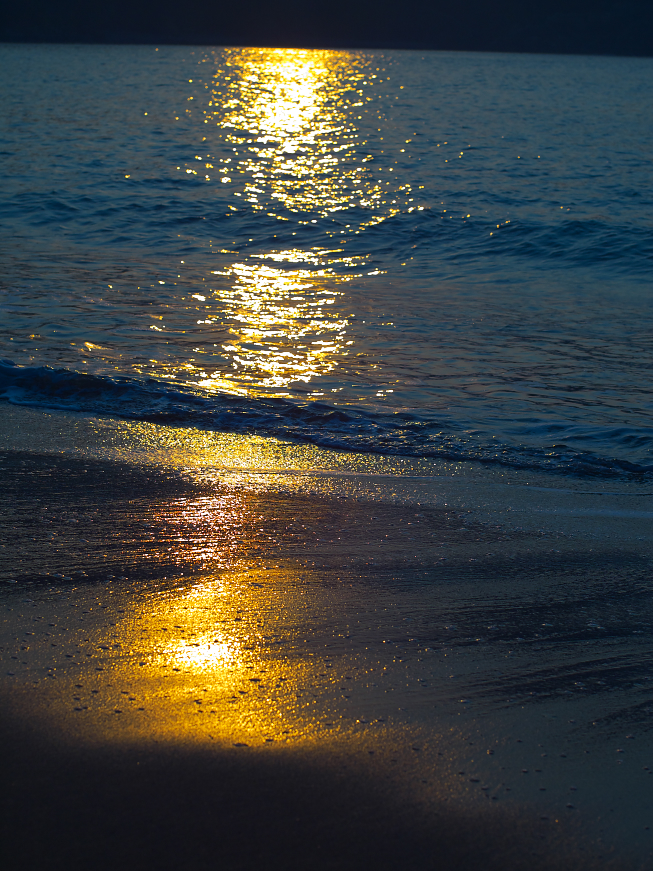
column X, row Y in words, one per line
column 237, row 662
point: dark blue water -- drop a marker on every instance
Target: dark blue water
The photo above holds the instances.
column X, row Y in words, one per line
column 426, row 254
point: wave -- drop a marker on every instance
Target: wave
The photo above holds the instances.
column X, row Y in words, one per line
column 163, row 220
column 357, row 430
column 578, row 242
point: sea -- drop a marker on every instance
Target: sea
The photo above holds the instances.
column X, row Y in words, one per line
column 326, row 458
column 419, row 254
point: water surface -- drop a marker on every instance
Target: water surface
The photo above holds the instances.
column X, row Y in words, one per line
column 429, row 254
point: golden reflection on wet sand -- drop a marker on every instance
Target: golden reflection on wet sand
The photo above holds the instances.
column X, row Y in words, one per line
column 276, row 650
column 250, row 646
column 188, row 725
column 216, row 659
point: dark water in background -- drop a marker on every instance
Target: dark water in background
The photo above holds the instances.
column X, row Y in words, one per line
column 430, row 254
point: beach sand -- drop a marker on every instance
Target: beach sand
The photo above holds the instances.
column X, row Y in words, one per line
column 233, row 652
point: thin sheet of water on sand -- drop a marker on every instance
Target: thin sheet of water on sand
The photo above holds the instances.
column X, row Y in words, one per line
column 463, row 655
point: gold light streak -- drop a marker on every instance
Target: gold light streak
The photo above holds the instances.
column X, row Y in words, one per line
column 216, row 659
column 202, row 529
column 232, row 634
column 287, row 325
column 289, row 115
column 285, row 144
column 291, row 120
column 196, row 648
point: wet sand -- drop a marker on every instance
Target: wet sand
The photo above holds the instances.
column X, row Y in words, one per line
column 214, row 665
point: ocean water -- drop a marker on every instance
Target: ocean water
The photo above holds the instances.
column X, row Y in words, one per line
column 424, row 254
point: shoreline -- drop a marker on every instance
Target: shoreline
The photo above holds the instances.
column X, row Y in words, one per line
column 330, row 628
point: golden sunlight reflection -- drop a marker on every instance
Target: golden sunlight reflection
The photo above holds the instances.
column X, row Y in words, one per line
column 255, row 650
column 199, row 530
column 194, row 648
column 287, row 324
column 284, row 135
column 293, row 173
column 204, row 455
column 215, row 659
column 203, row 655
column 289, row 115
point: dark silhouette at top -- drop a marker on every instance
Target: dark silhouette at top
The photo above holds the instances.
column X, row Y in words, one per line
column 617, row 27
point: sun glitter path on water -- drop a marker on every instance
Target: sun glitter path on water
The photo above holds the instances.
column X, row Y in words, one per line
column 289, row 117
